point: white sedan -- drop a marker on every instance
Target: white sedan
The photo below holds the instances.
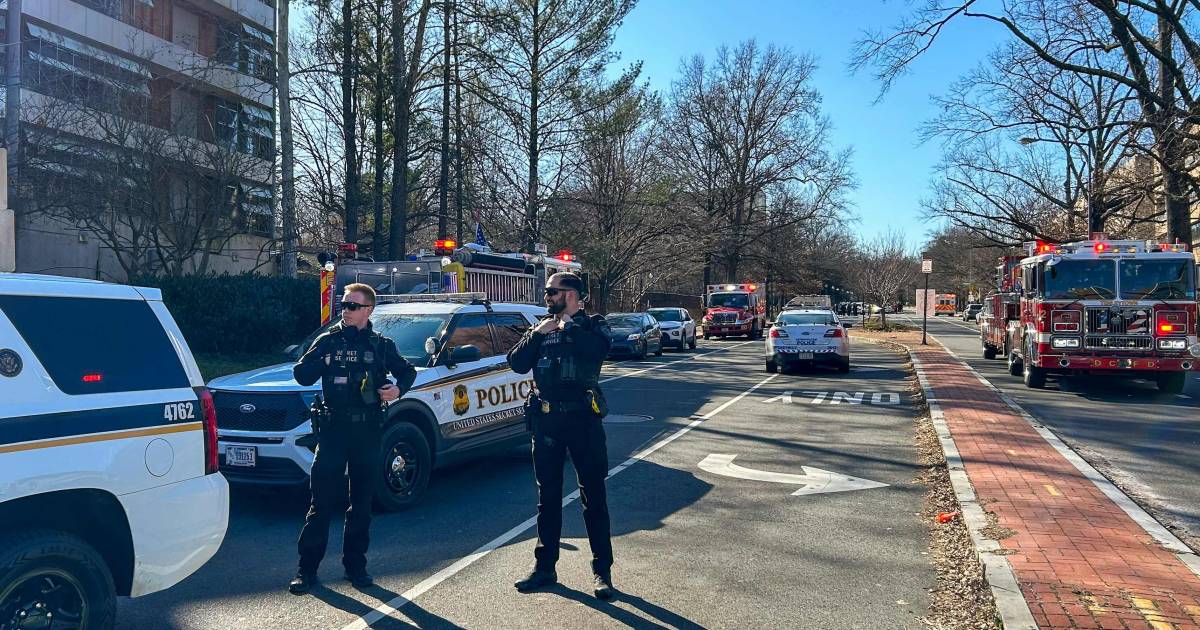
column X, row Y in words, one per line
column 808, row 337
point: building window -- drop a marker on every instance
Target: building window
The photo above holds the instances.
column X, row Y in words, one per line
column 247, row 49
column 66, row 68
column 244, row 127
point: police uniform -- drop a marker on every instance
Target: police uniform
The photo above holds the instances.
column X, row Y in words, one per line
column 566, row 410
column 351, row 365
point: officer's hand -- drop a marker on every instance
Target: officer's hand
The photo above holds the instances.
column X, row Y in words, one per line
column 547, row 325
column 388, row 392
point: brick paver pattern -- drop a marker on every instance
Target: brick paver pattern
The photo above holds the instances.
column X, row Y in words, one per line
column 1081, row 561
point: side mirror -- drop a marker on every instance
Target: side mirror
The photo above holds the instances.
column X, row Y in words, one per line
column 464, row 354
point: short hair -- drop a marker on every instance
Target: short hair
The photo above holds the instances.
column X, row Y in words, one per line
column 567, row 280
column 364, row 289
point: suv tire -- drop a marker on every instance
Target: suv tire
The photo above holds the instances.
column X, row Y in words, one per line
column 1172, row 382
column 33, row 561
column 404, row 467
column 989, row 351
column 1034, row 377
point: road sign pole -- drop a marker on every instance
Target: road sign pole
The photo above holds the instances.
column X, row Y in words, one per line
column 926, row 269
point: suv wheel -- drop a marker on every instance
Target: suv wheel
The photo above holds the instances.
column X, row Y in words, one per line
column 1035, row 377
column 989, row 351
column 772, row 368
column 53, row 579
column 1172, row 382
column 1014, row 364
column 692, row 343
column 405, row 464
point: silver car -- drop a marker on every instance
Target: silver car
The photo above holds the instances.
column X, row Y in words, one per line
column 808, row 337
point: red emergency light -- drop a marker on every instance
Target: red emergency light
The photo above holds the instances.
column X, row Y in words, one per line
column 1100, row 247
column 1044, row 248
column 444, row 247
column 753, row 287
column 566, row 255
column 93, row 378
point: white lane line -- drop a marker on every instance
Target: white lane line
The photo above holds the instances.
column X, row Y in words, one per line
column 393, row 606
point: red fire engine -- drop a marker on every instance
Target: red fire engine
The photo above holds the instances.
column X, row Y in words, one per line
column 1001, row 310
column 1105, row 307
column 735, row 309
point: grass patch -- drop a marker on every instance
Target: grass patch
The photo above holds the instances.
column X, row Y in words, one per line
column 876, row 325
column 214, row 364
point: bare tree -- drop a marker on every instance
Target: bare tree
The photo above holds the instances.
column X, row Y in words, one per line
column 886, row 266
column 746, row 124
column 1070, row 36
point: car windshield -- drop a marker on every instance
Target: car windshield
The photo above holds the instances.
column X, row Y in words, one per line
column 806, row 319
column 666, row 314
column 624, row 321
column 728, row 300
column 1081, row 280
column 408, row 331
column 1157, row 280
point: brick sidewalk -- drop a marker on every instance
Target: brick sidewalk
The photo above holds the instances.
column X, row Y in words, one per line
column 1081, row 561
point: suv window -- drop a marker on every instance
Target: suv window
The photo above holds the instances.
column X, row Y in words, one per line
column 510, row 327
column 133, row 353
column 473, row 329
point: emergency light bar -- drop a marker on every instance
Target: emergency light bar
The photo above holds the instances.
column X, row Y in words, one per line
column 1038, row 248
column 403, row 298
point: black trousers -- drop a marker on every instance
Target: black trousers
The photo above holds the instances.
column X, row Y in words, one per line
column 342, row 445
column 554, row 437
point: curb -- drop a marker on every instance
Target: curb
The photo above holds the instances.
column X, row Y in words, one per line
column 1006, row 592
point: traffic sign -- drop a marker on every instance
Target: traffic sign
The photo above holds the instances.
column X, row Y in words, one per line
column 926, row 266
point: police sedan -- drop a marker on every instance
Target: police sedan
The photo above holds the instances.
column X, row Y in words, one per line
column 807, row 337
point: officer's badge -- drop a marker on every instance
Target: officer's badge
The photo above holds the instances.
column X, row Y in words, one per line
column 462, row 402
column 10, row 363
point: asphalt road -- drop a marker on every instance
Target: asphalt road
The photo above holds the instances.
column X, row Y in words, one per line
column 695, row 547
column 1143, row 440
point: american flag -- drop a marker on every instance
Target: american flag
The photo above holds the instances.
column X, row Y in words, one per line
column 479, row 238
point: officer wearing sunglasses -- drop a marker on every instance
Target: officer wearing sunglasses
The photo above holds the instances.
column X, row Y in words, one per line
column 565, row 352
column 352, row 361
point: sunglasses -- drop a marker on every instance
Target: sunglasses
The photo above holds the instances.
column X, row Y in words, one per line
column 551, row 291
column 354, row 306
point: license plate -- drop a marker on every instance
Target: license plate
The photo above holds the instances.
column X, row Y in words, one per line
column 808, row 342
column 241, row 456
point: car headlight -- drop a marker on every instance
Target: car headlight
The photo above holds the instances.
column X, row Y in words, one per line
column 1172, row 344
column 1064, row 342
column 634, row 336
column 1194, row 350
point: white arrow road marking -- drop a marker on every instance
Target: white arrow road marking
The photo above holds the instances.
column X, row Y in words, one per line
column 785, row 397
column 814, row 480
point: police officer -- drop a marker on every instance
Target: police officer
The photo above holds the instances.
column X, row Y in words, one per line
column 565, row 352
column 352, row 361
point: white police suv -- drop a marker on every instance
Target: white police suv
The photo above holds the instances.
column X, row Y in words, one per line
column 108, row 463
column 808, row 337
column 465, row 400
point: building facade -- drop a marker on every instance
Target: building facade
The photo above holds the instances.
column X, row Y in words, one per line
column 146, row 139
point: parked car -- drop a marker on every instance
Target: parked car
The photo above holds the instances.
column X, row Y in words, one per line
column 808, row 337
column 634, row 334
column 678, row 327
column 108, row 452
column 971, row 312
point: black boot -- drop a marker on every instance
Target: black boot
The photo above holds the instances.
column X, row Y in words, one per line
column 302, row 583
column 537, row 579
column 360, row 579
column 602, row 586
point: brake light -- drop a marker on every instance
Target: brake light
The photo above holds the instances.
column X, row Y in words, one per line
column 93, row 378
column 834, row 332
column 211, row 461
column 777, row 333
column 1171, row 322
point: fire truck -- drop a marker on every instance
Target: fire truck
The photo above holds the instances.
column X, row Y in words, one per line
column 1001, row 309
column 1105, row 307
column 449, row 269
column 735, row 309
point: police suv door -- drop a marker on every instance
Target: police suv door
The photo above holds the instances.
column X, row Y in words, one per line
column 481, row 395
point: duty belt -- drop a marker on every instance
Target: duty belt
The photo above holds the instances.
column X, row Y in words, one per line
column 574, row 406
column 355, row 416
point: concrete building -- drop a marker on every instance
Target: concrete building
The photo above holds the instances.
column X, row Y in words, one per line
column 146, row 136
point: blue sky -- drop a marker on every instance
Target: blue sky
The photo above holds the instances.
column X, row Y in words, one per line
column 893, row 171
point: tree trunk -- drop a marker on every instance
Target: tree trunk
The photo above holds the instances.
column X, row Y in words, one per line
column 287, row 146
column 1174, row 164
column 404, row 71
column 531, row 209
column 377, row 248
column 348, row 127
column 444, row 178
column 458, row 125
